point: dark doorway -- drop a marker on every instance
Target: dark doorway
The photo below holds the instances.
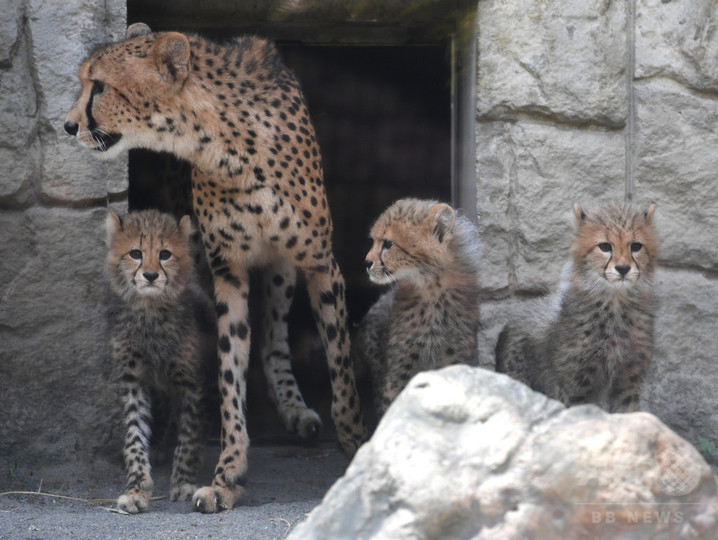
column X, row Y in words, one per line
column 383, row 116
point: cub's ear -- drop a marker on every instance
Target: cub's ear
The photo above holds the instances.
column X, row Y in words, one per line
column 648, row 214
column 137, row 29
column 579, row 213
column 186, row 226
column 113, row 224
column 171, row 57
column 443, row 218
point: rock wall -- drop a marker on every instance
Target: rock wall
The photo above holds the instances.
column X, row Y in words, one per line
column 597, row 101
column 54, row 389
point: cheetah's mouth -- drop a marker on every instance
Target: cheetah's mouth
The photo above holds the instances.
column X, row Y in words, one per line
column 105, row 141
column 148, row 289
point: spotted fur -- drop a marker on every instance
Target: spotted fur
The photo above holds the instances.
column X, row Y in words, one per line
column 593, row 342
column 430, row 316
column 157, row 342
column 237, row 114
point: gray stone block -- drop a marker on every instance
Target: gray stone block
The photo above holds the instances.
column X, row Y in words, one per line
column 529, row 176
column 62, row 39
column 677, row 40
column 20, row 172
column 10, row 28
column 18, row 99
column 681, row 384
column 562, row 59
column 676, row 168
column 58, row 395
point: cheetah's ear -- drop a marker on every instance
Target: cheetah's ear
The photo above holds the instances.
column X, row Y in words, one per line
column 648, row 214
column 137, row 29
column 186, row 226
column 579, row 213
column 113, row 224
column 171, row 54
column 443, row 218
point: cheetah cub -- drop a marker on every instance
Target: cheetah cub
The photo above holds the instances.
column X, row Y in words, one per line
column 430, row 316
column 160, row 323
column 594, row 343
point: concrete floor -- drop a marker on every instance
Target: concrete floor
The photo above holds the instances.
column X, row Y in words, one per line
column 284, row 483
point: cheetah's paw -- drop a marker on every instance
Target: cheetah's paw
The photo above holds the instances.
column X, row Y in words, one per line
column 307, row 425
column 213, row 499
column 182, row 492
column 134, row 501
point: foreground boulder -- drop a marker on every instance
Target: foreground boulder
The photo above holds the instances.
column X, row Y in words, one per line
column 468, row 453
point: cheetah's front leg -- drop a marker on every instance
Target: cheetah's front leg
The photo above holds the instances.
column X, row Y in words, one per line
column 188, row 452
column 231, row 293
column 278, row 287
column 136, row 402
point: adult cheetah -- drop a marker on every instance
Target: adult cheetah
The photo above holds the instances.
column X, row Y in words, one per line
column 237, row 114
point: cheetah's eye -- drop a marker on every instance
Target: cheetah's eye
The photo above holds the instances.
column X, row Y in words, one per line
column 605, row 247
column 136, row 254
column 97, row 88
column 387, row 244
column 636, row 247
column 165, row 254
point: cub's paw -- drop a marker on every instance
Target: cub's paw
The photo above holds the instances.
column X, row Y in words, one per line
column 182, row 492
column 134, row 501
column 307, row 425
column 213, row 499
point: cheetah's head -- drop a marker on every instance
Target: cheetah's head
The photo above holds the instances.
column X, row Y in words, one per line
column 149, row 255
column 411, row 241
column 615, row 247
column 125, row 88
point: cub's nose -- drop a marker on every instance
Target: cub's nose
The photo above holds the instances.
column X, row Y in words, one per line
column 150, row 276
column 71, row 128
column 368, row 264
column 623, row 269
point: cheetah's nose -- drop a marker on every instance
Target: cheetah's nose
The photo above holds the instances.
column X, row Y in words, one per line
column 71, row 128
column 368, row 264
column 623, row 269
column 151, row 276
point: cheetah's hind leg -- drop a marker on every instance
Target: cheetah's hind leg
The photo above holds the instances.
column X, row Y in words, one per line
column 278, row 282
column 326, row 293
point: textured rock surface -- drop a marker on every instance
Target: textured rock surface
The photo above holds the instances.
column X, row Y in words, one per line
column 529, row 177
column 678, row 40
column 677, row 168
column 562, row 59
column 466, row 453
column 58, row 48
column 682, row 383
column 58, row 402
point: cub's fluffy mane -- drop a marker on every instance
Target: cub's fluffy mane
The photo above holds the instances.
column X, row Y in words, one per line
column 465, row 243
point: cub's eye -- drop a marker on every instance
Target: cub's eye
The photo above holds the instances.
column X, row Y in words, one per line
column 636, row 247
column 387, row 244
column 165, row 254
column 605, row 247
column 136, row 254
column 97, row 88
